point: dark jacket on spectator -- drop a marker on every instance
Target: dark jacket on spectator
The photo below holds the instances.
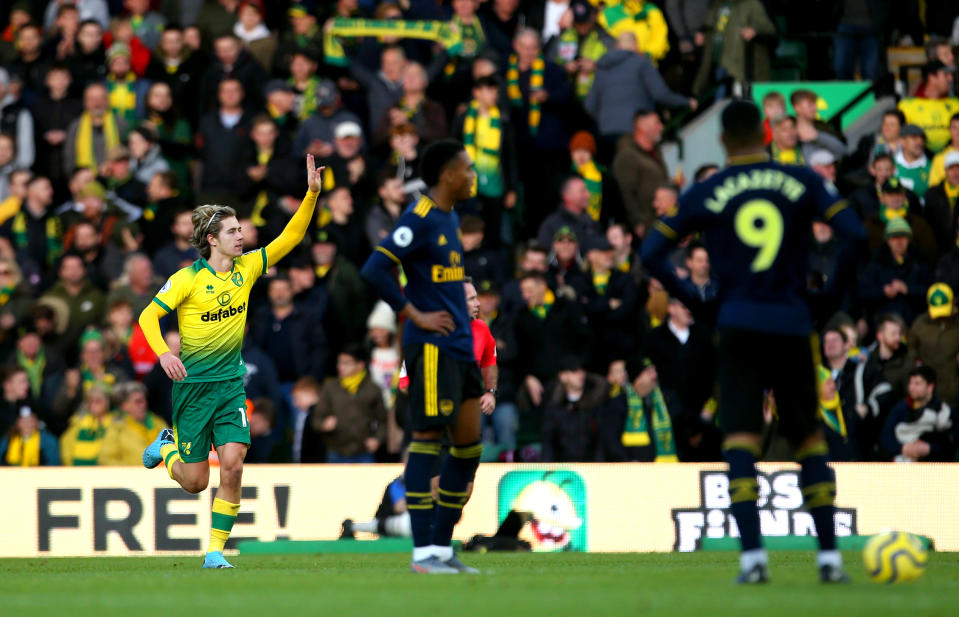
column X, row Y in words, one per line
column 859, row 383
column 246, row 70
column 570, row 432
column 50, row 115
column 304, row 331
column 615, row 331
column 934, row 423
column 553, row 133
column 625, row 82
column 583, row 226
column 612, row 424
column 221, row 150
column 936, row 342
column 358, row 416
column 948, row 269
column 542, row 343
column 881, row 271
column 923, row 239
column 941, row 216
column 638, row 173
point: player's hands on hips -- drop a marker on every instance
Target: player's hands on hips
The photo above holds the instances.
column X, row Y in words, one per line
column 487, row 403
column 314, row 175
column 172, row 366
column 435, row 321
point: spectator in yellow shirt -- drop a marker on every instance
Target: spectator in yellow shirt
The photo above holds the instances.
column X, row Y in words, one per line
column 132, row 429
column 932, row 106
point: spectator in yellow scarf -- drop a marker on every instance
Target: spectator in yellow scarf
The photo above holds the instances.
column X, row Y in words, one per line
column 133, row 428
column 27, row 445
column 80, row 444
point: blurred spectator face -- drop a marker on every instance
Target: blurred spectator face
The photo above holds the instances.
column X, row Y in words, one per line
column 138, row 145
column 573, row 381
column 489, row 303
column 340, row 203
column 616, row 374
column 486, row 96
column 472, row 300
column 302, row 67
column 821, row 232
column 785, row 135
column 7, row 150
column 159, row 98
column 774, row 109
column 40, row 192
column 192, row 37
column 621, row 242
column 533, row 291
column 391, row 191
column 324, row 253
column 85, row 237
column 18, row 183
column 80, row 179
column 393, row 64
column 600, row 261
column 157, row 189
column 806, row 109
column 414, row 78
column 565, row 249
column 280, row 293
column 251, row 234
column 527, row 47
column 679, row 314
column 71, row 270
column 92, row 207
column 827, row 172
column 281, row 101
column 833, row 347
column 347, row 147
column 581, row 156
column 95, row 100
column 920, row 390
column 90, row 37
column 140, row 272
column 58, row 81
column 303, row 24
column 952, row 175
column 19, row 17
column 120, row 316
column 137, row 7
column 482, row 67
column 171, row 43
column 98, row 403
column 135, row 406
column 92, row 354
column 120, row 65
column 302, row 278
column 380, row 337
column 646, row 381
column 259, row 424
column 347, row 366
column 938, row 84
column 575, row 196
column 913, row 146
column 305, row 397
column 882, row 169
column 891, row 199
column 27, row 424
column 664, row 201
column 263, row 135
column 648, row 126
column 944, row 54
column 29, row 344
column 898, row 245
column 890, row 335
column 9, row 275
column 472, row 240
column 405, row 143
column 28, row 40
column 535, row 261
column 16, row 387
column 698, row 264
column 122, row 30
column 230, row 93
column 890, row 128
column 250, row 17
column 227, row 50
column 464, row 9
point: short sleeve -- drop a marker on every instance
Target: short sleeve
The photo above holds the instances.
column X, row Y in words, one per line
column 175, row 290
column 489, row 349
column 254, row 262
column 410, row 233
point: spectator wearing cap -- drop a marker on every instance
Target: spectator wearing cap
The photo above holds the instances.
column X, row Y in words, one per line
column 639, row 168
column 580, row 44
column 566, row 262
column 487, row 132
column 221, row 140
column 35, row 232
column 932, row 105
column 912, row 165
column 385, row 357
column 572, row 213
column 637, row 425
column 940, row 209
column 257, row 39
column 735, row 39
column 609, row 299
column 17, row 121
column 823, row 162
column 348, row 165
column 232, row 62
column 176, row 65
column 547, row 330
column 303, row 34
column 922, row 427
column 625, row 82
column 94, row 133
column 893, row 204
column 126, row 93
column 315, row 135
column 934, row 339
column 938, row 171
column 281, row 108
column 895, row 280
column 571, row 407
column 27, row 443
column 132, row 429
column 605, row 201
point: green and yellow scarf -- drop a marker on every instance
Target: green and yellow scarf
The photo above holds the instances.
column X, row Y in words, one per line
column 262, row 198
column 482, row 138
column 542, row 310
column 309, row 105
column 887, row 214
column 123, row 97
column 89, row 439
column 594, row 184
column 24, row 452
column 446, row 33
column 53, row 232
column 535, row 85
column 830, row 410
column 34, row 369
column 85, row 155
column 636, row 431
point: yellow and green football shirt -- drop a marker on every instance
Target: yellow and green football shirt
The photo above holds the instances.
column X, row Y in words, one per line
column 211, row 312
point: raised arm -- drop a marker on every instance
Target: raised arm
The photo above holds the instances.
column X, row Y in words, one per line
column 294, row 231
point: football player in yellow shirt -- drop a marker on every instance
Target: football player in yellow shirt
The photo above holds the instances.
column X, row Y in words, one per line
column 211, row 298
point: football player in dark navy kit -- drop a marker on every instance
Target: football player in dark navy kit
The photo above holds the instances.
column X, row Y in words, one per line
column 755, row 218
column 445, row 381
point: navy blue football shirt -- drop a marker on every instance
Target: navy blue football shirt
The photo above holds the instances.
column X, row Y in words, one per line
column 426, row 244
column 755, row 218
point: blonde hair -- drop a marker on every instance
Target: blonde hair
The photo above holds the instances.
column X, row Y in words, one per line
column 208, row 220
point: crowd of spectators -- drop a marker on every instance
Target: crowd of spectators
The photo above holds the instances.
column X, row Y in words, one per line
column 117, row 117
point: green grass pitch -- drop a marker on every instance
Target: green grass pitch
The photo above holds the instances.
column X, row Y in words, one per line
column 584, row 585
